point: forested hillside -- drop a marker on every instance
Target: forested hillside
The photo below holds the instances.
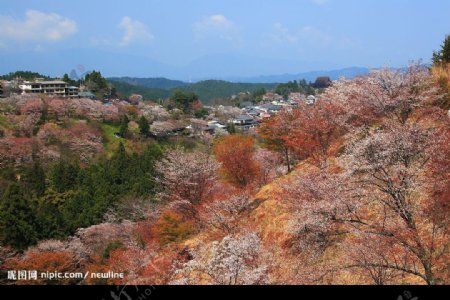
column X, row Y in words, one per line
column 208, row 90
column 351, row 190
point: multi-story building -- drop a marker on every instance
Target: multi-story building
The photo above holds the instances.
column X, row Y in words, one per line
column 53, row 87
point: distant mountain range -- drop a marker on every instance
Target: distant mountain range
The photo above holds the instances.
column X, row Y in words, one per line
column 208, row 90
column 210, row 76
column 229, row 67
column 348, row 73
column 158, row 82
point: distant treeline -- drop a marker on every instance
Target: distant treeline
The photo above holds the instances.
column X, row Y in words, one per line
column 26, row 75
column 207, row 90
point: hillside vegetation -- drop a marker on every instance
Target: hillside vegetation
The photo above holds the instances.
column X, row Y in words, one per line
column 351, row 190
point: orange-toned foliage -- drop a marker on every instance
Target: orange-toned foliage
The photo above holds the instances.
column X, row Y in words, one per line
column 172, row 228
column 46, row 261
column 96, row 266
column 316, row 128
column 236, row 153
column 274, row 132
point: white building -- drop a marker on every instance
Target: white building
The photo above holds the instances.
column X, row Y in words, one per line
column 53, row 87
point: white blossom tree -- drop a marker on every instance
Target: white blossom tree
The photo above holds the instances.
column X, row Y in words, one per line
column 233, row 260
column 187, row 175
column 381, row 197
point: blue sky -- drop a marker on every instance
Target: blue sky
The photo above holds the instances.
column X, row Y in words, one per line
column 290, row 36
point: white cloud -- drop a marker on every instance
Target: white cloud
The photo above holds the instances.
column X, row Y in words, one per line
column 216, row 26
column 307, row 35
column 134, row 31
column 36, row 26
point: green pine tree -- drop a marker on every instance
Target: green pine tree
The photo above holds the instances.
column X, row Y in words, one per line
column 17, row 224
column 123, row 129
column 34, row 179
column 144, row 127
column 443, row 55
column 64, row 176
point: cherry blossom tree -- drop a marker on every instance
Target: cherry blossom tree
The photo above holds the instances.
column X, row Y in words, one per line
column 269, row 165
column 381, row 196
column 188, row 176
column 226, row 210
column 233, row 260
column 384, row 92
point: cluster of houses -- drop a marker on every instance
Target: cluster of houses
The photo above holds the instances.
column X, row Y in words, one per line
column 249, row 115
column 252, row 114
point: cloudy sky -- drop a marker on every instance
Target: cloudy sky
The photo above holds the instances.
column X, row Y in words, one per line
column 289, row 35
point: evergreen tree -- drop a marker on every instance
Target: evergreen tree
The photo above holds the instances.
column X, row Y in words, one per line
column 443, row 56
column 17, row 224
column 64, row 176
column 34, row 179
column 231, row 128
column 51, row 223
column 118, row 165
column 144, row 127
column 123, row 130
column 183, row 100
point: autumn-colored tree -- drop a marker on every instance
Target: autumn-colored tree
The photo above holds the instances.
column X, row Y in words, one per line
column 316, row 128
column 274, row 132
column 236, row 153
column 131, row 261
column 42, row 262
column 438, row 179
column 172, row 228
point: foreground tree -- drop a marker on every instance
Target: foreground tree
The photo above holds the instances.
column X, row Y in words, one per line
column 187, row 175
column 275, row 131
column 226, row 210
column 316, row 128
column 236, row 154
column 382, row 198
column 233, row 260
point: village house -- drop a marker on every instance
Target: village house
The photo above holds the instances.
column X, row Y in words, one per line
column 269, row 96
column 245, row 122
column 214, row 127
column 86, row 94
column 197, row 127
column 245, row 104
column 50, row 87
column 311, row 99
column 269, row 108
column 296, row 97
